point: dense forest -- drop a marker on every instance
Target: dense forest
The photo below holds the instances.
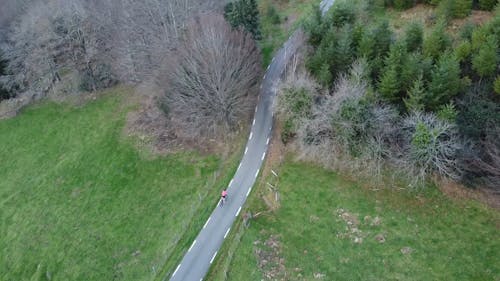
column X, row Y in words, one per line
column 420, row 101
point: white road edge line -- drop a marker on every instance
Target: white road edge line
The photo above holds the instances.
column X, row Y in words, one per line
column 212, row 260
column 261, row 86
column 267, row 142
column 227, row 232
column 250, row 137
column 192, row 245
column 246, row 149
column 231, row 182
column 207, row 222
column 256, row 108
column 239, row 166
column 265, row 76
column 257, row 173
column 248, row 192
column 263, row 155
column 268, row 67
column 253, row 123
column 238, row 212
column 177, row 268
column 273, row 59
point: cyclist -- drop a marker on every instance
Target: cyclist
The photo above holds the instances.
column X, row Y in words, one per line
column 223, row 196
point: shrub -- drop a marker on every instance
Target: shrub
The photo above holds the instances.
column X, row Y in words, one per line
column 487, row 5
column 431, row 145
column 477, row 114
column 447, row 112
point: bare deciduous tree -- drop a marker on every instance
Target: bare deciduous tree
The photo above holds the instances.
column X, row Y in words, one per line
column 212, row 77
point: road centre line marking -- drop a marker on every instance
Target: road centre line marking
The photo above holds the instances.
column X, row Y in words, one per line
column 257, row 173
column 237, row 213
column 192, row 245
column 227, row 232
column 207, row 222
column 177, row 268
column 212, row 260
column 246, row 149
column 263, row 155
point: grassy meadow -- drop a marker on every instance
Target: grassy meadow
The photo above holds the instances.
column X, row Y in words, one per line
column 328, row 228
column 79, row 201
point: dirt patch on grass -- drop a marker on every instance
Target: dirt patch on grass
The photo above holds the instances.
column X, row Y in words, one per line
column 269, row 258
column 476, row 17
column 460, row 192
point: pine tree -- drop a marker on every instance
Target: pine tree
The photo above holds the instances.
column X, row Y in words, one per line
column 485, row 61
column 414, row 35
column 244, row 13
column 416, row 96
column 445, row 83
column 390, row 85
column 437, row 42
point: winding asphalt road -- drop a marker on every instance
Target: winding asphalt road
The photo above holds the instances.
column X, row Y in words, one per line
column 203, row 250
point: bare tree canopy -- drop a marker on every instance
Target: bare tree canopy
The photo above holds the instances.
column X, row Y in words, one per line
column 212, row 76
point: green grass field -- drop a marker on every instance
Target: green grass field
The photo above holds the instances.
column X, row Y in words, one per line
column 327, row 229
column 78, row 201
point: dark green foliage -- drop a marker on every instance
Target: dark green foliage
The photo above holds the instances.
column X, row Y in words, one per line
column 353, row 123
column 244, row 13
column 454, row 8
column 4, row 93
column 96, row 79
column 272, row 15
column 298, row 103
column 478, row 115
column 487, row 5
column 437, row 42
column 404, row 4
column 314, row 27
column 343, row 12
column 445, row 83
column 466, row 30
column 414, row 36
column 334, row 55
column 485, row 60
column 383, row 38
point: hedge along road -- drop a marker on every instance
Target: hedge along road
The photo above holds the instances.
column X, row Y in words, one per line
column 203, row 250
